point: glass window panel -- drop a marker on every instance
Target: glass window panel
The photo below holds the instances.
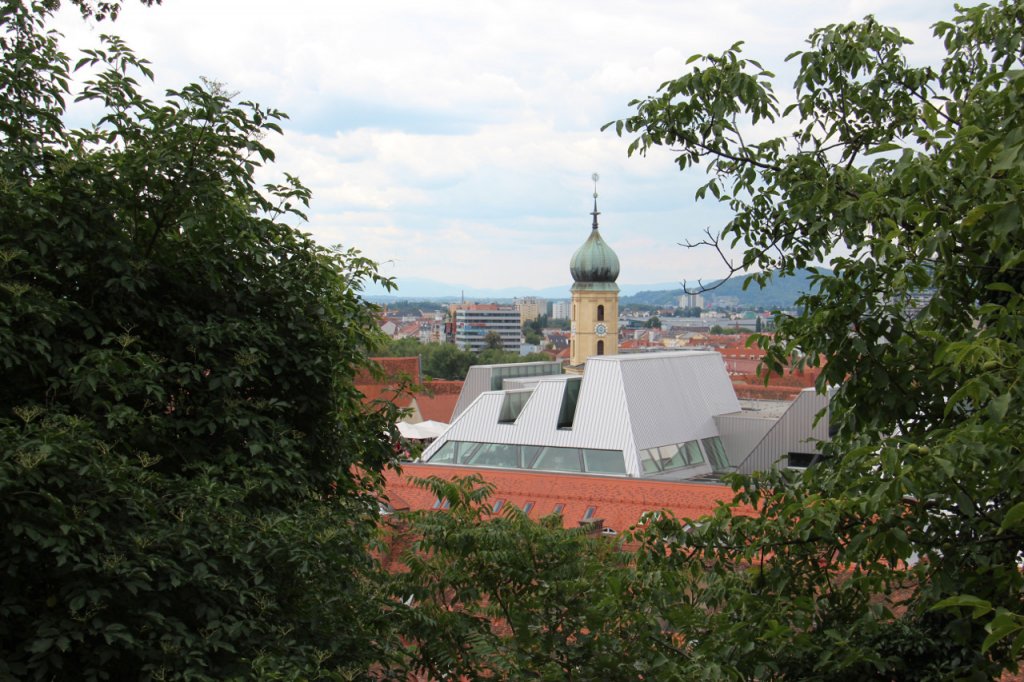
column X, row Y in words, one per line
column 530, row 453
column 558, row 459
column 445, row 454
column 528, row 507
column 570, row 396
column 497, row 505
column 604, row 461
column 716, row 452
column 649, row 461
column 494, row 455
column 589, row 514
column 559, row 507
column 512, row 405
column 692, row 453
column 669, row 457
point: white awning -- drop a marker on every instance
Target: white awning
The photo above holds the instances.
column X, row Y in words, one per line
column 423, row 430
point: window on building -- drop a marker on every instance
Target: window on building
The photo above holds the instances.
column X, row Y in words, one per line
column 691, row 453
column 604, row 461
column 716, row 453
column 528, row 507
column 494, row 455
column 600, row 313
column 589, row 514
column 559, row 507
column 512, row 405
column 600, row 347
column 497, row 505
column 649, row 461
column 437, row 504
column 570, row 396
column 559, row 459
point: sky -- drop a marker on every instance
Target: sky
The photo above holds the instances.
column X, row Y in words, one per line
column 454, row 140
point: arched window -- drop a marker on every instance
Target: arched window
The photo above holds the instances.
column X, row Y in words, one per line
column 600, row 313
column 600, row 347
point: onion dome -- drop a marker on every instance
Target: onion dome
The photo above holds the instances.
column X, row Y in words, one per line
column 594, row 261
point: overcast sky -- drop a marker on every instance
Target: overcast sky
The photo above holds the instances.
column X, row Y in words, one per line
column 455, row 140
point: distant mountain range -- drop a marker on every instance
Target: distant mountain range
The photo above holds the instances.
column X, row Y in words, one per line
column 426, row 289
column 780, row 293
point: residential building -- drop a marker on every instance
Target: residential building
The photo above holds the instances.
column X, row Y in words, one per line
column 530, row 308
column 561, row 310
column 691, row 301
column 473, row 322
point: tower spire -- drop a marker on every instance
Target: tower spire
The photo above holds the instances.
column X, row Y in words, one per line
column 595, row 177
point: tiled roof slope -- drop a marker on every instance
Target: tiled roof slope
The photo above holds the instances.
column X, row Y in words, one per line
column 437, row 401
column 619, row 502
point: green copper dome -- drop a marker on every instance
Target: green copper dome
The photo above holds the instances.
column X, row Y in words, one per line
column 594, row 261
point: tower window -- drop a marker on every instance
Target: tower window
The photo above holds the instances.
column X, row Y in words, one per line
column 600, row 313
column 600, row 347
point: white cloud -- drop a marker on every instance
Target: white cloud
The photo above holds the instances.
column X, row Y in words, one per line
column 455, row 140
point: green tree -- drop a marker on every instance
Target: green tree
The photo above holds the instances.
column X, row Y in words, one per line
column 653, row 323
column 180, row 431
column 917, row 175
column 492, row 340
column 493, row 595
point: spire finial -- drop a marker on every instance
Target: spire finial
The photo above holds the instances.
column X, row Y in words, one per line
column 595, row 177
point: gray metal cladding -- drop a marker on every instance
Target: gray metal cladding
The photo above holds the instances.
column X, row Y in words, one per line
column 626, row 402
column 795, row 431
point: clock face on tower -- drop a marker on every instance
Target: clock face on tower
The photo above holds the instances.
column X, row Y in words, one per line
column 600, row 329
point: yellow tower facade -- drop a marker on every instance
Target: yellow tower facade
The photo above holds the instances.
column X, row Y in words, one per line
column 595, row 298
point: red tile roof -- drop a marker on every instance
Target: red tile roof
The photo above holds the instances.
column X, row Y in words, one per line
column 438, row 399
column 619, row 502
column 393, row 369
column 385, row 389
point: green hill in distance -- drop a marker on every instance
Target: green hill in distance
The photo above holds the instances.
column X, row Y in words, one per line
column 779, row 293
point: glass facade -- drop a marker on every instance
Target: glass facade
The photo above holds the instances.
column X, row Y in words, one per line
column 570, row 397
column 573, row 460
column 681, row 455
column 525, row 369
column 512, row 405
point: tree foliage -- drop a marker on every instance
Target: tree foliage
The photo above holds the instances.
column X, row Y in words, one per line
column 910, row 180
column 448, row 361
column 187, row 474
column 898, row 556
column 490, row 594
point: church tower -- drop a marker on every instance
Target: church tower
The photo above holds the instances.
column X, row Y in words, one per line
column 595, row 297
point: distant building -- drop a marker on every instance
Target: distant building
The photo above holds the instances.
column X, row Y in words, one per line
column 473, row 322
column 530, row 308
column 691, row 301
column 561, row 310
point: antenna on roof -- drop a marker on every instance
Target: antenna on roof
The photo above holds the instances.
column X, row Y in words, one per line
column 595, row 177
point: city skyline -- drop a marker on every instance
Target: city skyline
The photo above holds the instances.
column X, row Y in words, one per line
column 455, row 142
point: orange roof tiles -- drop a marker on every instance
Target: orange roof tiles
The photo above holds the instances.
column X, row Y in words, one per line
column 437, row 402
column 618, row 502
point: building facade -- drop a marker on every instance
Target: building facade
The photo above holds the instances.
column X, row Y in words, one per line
column 561, row 310
column 691, row 301
column 530, row 308
column 473, row 322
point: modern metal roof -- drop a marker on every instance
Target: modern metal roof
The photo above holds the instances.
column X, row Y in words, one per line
column 625, row 403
